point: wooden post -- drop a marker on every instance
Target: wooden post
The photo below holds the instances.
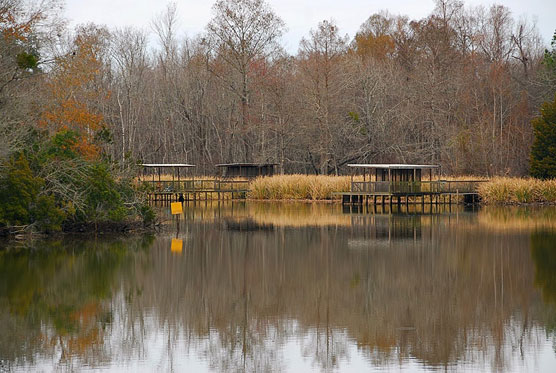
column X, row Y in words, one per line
column 193, row 187
column 179, row 183
column 390, row 185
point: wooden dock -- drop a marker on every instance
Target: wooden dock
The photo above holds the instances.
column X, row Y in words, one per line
column 389, row 184
column 196, row 190
column 183, row 187
column 412, row 192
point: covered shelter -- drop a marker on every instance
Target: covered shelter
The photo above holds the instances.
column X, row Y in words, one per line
column 394, row 178
column 156, row 170
column 246, row 170
column 172, row 181
column 396, row 181
column 395, row 172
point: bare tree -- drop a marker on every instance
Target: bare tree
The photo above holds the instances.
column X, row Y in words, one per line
column 241, row 32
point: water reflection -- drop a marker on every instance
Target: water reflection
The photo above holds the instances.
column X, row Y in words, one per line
column 55, row 298
column 250, row 292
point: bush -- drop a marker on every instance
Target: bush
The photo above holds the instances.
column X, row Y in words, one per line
column 47, row 216
column 103, row 199
column 18, row 190
column 51, row 184
column 21, row 202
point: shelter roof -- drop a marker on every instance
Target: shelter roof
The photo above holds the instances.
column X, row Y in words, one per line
column 245, row 164
column 395, row 166
column 167, row 165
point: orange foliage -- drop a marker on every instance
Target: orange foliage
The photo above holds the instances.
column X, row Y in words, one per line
column 378, row 47
column 11, row 29
column 73, row 92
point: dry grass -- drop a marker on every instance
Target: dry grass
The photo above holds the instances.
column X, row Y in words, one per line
column 464, row 178
column 518, row 190
column 300, row 187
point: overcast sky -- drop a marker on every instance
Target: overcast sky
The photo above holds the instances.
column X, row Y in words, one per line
column 299, row 15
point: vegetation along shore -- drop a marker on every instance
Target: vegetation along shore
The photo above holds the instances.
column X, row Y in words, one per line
column 497, row 190
column 469, row 89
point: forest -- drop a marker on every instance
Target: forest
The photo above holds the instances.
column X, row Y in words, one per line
column 458, row 88
column 81, row 106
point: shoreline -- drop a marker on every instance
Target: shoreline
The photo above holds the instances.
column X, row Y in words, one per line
column 78, row 229
column 137, row 227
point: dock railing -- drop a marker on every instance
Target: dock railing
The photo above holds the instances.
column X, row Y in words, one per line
column 197, row 185
column 415, row 187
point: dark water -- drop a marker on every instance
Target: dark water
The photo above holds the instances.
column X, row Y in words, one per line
column 289, row 287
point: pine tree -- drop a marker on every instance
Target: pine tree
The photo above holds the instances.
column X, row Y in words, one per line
column 543, row 152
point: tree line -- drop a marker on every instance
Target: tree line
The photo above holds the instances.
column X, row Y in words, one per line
column 457, row 88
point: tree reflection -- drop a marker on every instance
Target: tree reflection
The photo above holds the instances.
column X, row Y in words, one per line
column 543, row 250
column 435, row 294
column 436, row 289
column 56, row 299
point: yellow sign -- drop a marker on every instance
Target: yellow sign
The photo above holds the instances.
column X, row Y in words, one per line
column 177, row 245
column 177, row 208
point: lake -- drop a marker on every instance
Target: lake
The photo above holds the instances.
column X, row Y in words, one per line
column 289, row 287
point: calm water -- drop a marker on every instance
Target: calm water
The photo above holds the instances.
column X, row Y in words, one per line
column 289, row 287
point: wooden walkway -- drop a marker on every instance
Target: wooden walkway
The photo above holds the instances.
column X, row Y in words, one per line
column 196, row 190
column 409, row 192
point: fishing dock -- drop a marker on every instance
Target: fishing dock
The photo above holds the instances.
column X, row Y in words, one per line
column 388, row 184
column 183, row 186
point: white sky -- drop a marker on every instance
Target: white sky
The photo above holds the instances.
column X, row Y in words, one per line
column 299, row 15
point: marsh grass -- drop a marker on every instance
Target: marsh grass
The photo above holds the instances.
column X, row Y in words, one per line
column 298, row 187
column 518, row 190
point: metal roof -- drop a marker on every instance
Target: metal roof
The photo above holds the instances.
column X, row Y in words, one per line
column 246, row 164
column 395, row 166
column 167, row 165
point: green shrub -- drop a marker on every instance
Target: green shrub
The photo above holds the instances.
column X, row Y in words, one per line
column 47, row 216
column 21, row 202
column 103, row 199
column 543, row 151
column 19, row 188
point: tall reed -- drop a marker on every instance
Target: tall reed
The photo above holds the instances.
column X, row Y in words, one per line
column 518, row 190
column 300, row 187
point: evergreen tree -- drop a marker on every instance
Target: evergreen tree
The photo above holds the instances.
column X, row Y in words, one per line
column 543, row 152
column 549, row 60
